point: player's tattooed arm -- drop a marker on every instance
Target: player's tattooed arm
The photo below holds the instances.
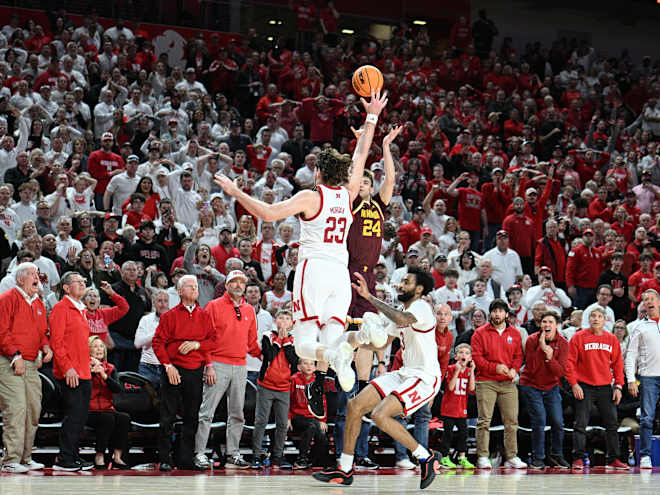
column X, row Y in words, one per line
column 401, row 318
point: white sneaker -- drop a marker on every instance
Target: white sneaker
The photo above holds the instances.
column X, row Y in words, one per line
column 372, row 330
column 201, row 461
column 515, row 463
column 484, row 463
column 33, row 466
column 14, row 467
column 342, row 366
column 645, row 463
column 405, row 464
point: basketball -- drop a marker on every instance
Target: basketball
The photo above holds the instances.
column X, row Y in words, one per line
column 367, row 78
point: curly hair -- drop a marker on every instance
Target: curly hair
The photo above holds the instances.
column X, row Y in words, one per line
column 334, row 167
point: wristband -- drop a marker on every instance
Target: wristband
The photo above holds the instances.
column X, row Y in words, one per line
column 168, row 366
column 209, row 365
column 619, row 387
column 372, row 118
column 381, row 362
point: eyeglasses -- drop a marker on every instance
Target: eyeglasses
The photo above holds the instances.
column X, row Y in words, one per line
column 86, row 257
column 238, row 312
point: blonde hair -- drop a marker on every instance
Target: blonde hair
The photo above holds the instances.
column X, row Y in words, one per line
column 91, row 341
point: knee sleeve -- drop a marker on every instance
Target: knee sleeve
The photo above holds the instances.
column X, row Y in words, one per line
column 333, row 334
column 305, row 339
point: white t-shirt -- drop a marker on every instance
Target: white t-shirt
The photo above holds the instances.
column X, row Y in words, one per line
column 83, row 201
column 453, row 298
column 121, row 186
column 436, row 223
column 264, row 325
column 419, row 350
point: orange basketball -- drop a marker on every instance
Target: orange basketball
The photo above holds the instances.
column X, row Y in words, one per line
column 367, row 78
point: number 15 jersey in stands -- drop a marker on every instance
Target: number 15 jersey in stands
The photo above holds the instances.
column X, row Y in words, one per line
column 324, row 235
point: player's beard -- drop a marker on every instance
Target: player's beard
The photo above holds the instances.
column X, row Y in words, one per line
column 406, row 296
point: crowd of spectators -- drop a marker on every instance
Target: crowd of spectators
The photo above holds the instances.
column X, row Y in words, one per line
column 531, row 176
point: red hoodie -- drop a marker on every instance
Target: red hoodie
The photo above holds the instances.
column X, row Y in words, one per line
column 297, row 399
column 594, row 359
column 489, row 349
column 538, row 372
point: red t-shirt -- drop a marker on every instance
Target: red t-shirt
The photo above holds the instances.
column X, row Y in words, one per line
column 470, row 202
column 454, row 402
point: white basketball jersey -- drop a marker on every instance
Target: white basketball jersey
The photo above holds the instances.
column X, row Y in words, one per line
column 324, row 235
column 419, row 349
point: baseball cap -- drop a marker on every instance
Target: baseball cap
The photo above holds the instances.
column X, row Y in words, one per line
column 187, row 165
column 657, row 265
column 412, row 252
column 161, row 171
column 172, row 120
column 531, row 190
column 225, row 228
column 440, row 257
column 107, row 135
column 110, row 216
column 190, row 70
column 426, row 230
column 235, row 274
column 502, row 233
column 466, row 131
column 126, row 144
column 132, row 158
column 235, row 123
column 498, row 169
column 545, row 269
column 588, row 231
column 381, row 260
column 376, row 166
column 527, row 141
column 419, row 208
column 514, row 287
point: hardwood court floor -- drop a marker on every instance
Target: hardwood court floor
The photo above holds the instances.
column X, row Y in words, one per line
column 384, row 481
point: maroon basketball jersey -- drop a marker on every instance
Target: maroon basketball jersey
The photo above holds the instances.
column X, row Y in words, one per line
column 366, row 234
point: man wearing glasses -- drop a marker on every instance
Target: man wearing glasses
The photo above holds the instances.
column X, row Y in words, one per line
column 235, row 327
column 545, row 354
column 69, row 331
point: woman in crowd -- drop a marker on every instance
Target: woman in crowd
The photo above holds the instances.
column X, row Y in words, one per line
column 111, row 426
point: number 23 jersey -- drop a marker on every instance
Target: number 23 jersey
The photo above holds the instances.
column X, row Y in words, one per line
column 325, row 234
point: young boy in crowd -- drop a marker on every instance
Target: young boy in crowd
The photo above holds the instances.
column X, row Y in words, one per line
column 301, row 421
column 459, row 381
column 273, row 385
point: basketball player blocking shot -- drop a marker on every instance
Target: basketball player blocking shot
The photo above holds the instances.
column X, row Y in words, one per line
column 322, row 286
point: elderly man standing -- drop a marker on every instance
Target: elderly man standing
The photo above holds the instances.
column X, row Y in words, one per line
column 643, row 357
column 23, row 329
column 235, row 329
column 69, row 331
column 183, row 339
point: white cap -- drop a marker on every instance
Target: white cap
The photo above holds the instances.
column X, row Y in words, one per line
column 162, row 171
column 187, row 165
column 235, row 274
column 107, row 135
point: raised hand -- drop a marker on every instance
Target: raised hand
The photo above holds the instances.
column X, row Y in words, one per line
column 377, row 103
column 226, row 184
column 391, row 136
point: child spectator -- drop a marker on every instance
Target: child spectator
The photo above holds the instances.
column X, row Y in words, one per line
column 273, row 385
column 302, row 421
column 459, row 380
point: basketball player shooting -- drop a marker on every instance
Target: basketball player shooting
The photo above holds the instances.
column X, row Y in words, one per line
column 365, row 238
column 322, row 286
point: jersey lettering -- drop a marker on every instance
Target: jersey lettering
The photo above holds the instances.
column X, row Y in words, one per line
column 414, row 396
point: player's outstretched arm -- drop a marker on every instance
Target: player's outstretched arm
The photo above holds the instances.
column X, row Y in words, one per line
column 401, row 318
column 374, row 107
column 306, row 202
column 387, row 188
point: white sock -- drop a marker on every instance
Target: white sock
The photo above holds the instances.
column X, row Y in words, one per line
column 345, row 462
column 421, row 453
column 329, row 355
column 362, row 336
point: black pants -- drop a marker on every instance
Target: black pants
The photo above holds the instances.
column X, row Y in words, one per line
column 76, row 407
column 187, row 395
column 309, row 429
column 111, row 428
column 601, row 397
column 448, row 426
